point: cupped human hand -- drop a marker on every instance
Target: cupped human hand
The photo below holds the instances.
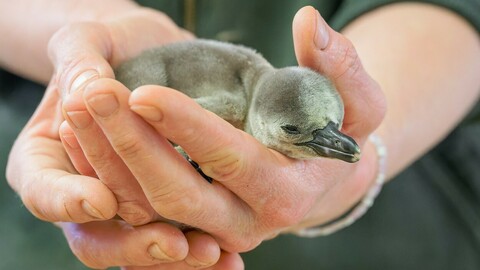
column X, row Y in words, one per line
column 86, row 51
column 49, row 184
column 40, row 171
column 257, row 192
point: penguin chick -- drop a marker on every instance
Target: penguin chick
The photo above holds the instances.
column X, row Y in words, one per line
column 293, row 110
column 298, row 112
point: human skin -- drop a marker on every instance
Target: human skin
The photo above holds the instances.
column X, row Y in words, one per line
column 38, row 163
column 244, row 169
column 227, row 155
column 229, row 158
column 399, row 129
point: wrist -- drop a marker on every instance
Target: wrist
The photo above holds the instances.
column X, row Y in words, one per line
column 349, row 200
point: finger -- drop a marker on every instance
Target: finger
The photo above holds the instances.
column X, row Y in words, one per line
column 39, row 171
column 133, row 206
column 54, row 195
column 231, row 261
column 75, row 153
column 80, row 54
column 115, row 243
column 204, row 250
column 203, row 253
column 85, row 51
column 229, row 155
column 172, row 185
column 321, row 48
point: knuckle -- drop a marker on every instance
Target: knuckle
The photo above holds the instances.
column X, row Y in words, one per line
column 99, row 159
column 127, row 146
column 80, row 248
column 225, row 167
column 178, row 205
column 134, row 214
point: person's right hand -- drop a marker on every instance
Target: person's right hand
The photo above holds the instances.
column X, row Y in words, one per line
column 40, row 171
column 257, row 192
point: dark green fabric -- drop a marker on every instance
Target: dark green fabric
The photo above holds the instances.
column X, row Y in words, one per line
column 351, row 9
column 427, row 218
column 257, row 24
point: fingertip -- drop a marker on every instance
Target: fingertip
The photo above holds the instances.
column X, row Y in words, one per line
column 103, row 86
column 152, row 101
column 231, row 261
column 75, row 79
column 146, row 94
column 90, row 198
column 321, row 48
column 204, row 249
column 304, row 26
column 169, row 243
column 103, row 200
column 69, row 198
column 104, row 98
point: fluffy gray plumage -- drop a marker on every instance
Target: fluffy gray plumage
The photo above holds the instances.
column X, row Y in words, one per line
column 293, row 110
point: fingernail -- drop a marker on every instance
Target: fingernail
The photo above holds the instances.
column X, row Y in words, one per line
column 83, row 79
column 104, row 104
column 321, row 37
column 148, row 112
column 90, row 210
column 155, row 251
column 193, row 262
column 71, row 140
column 80, row 119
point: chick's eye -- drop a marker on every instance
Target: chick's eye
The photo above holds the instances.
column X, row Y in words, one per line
column 290, row 129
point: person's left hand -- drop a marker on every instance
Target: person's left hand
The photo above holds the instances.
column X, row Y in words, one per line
column 40, row 171
column 257, row 192
column 49, row 185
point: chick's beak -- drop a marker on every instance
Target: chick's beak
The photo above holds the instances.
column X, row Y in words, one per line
column 331, row 143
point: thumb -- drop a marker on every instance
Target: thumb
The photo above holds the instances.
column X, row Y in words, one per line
column 80, row 54
column 321, row 48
